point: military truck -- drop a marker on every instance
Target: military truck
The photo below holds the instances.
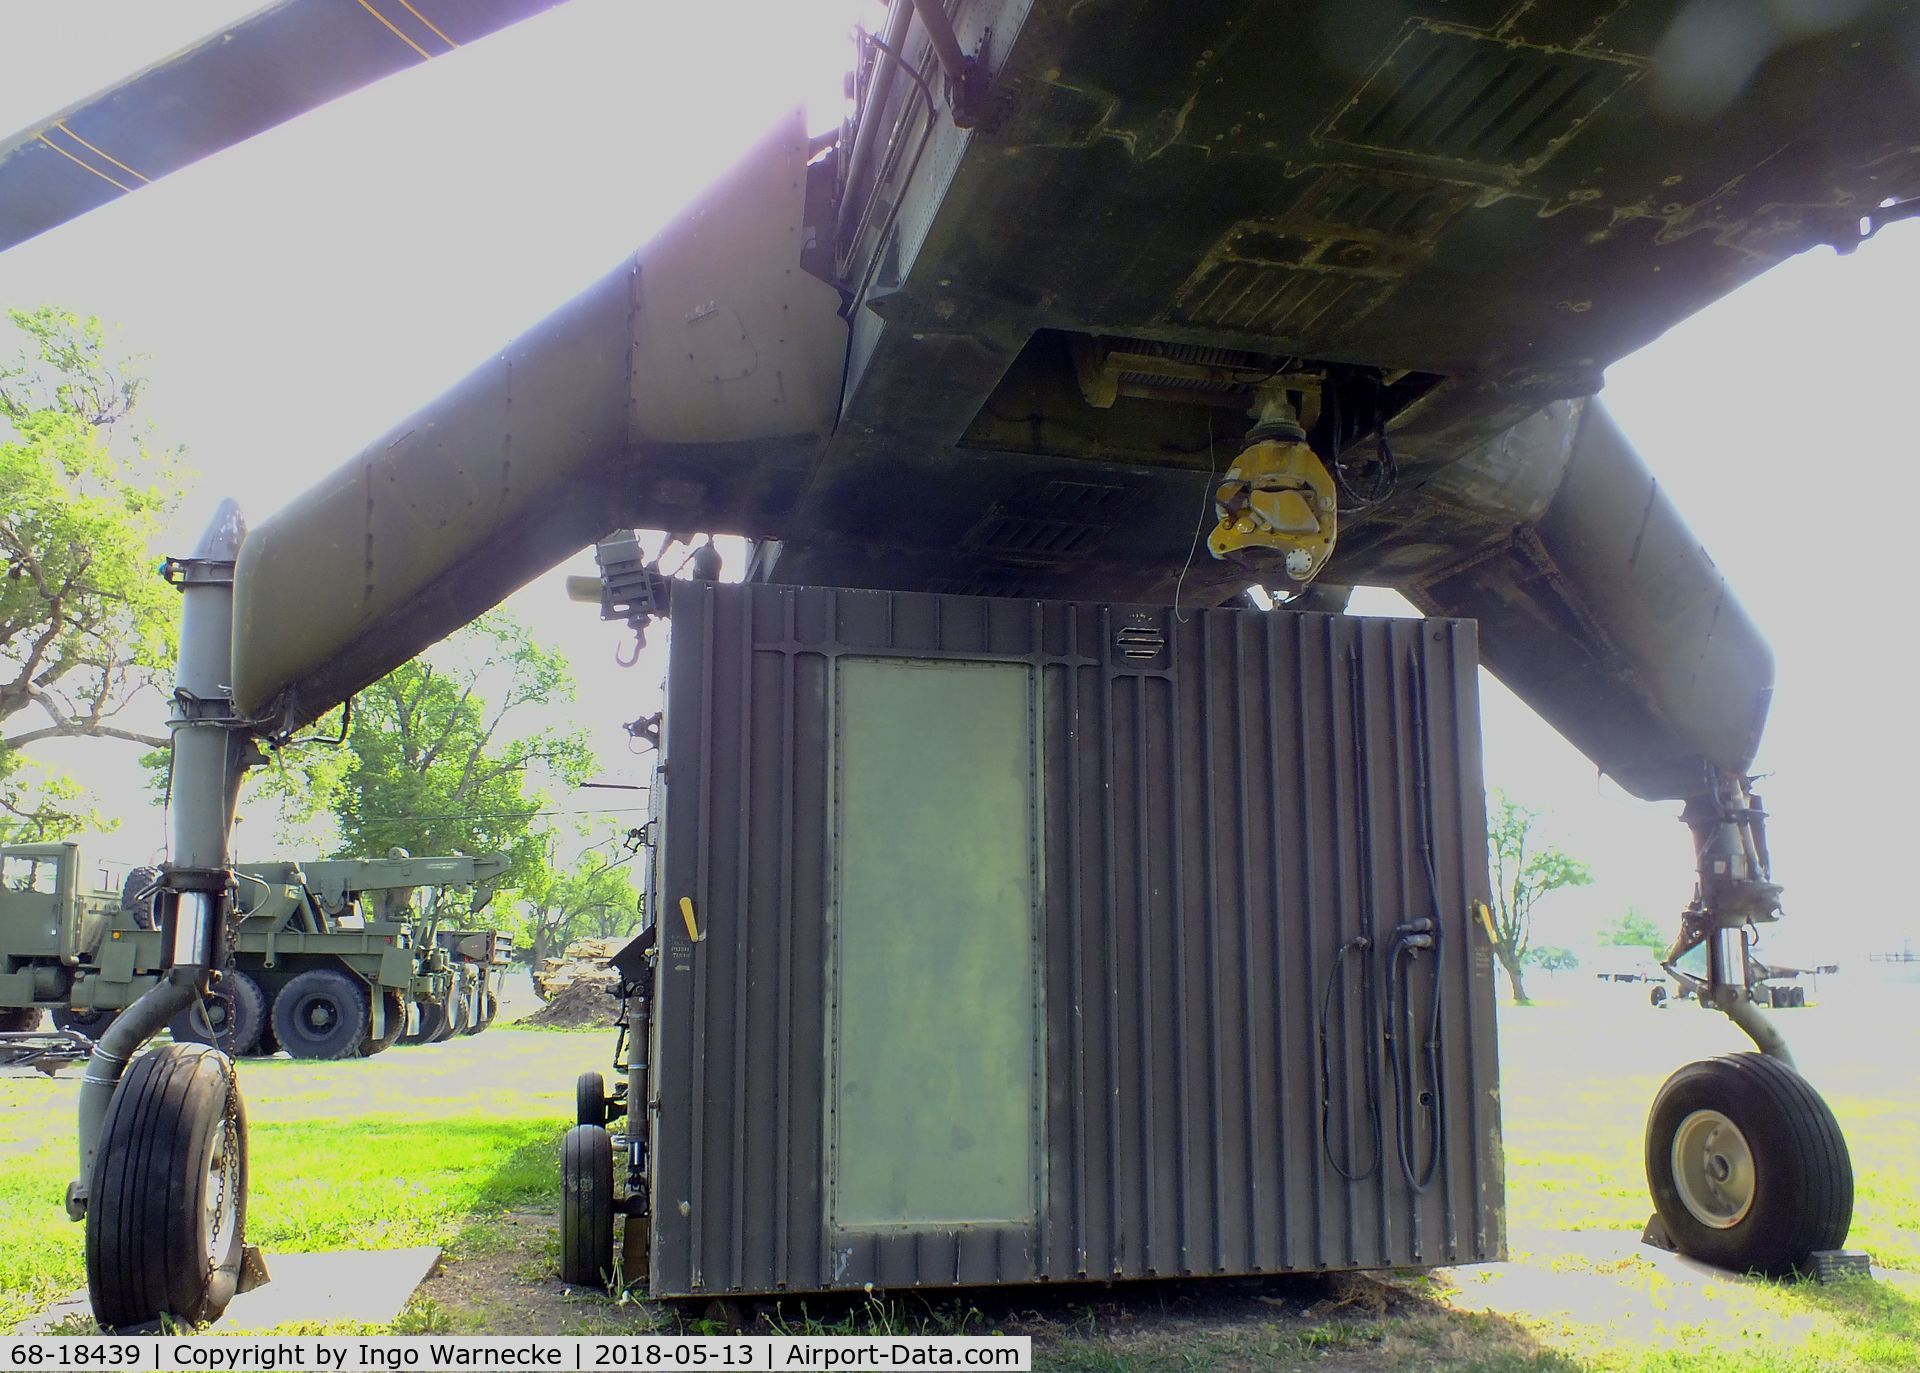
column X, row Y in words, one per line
column 331, row 958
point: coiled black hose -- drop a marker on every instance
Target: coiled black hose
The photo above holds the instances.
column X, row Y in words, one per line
column 1349, row 1169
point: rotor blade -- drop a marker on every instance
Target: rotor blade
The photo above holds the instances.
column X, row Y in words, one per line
column 278, row 62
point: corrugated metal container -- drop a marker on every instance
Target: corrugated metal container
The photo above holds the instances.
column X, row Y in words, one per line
column 1019, row 944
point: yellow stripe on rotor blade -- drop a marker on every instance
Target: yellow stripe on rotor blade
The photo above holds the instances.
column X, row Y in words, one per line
column 78, row 163
column 429, row 23
column 61, row 125
column 396, row 32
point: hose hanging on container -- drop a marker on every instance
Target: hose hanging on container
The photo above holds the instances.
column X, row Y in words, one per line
column 1362, row 944
column 1403, row 950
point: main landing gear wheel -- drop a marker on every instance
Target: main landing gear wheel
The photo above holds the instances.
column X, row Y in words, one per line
column 1747, row 1166
column 586, row 1206
column 322, row 1013
column 167, row 1210
column 230, row 1017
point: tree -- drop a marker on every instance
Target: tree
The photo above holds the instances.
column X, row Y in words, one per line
column 1635, row 931
column 84, row 621
column 1524, row 870
column 438, row 756
column 595, row 897
column 1553, row 958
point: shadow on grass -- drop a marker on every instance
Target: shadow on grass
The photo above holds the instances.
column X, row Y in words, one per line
column 1320, row 1321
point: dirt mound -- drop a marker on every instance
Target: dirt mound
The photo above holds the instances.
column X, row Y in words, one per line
column 584, row 960
column 579, row 1005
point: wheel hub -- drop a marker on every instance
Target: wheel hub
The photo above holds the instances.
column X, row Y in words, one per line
column 222, row 1210
column 1713, row 1169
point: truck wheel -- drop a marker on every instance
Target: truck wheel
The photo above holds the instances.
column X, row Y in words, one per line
column 456, row 1015
column 322, row 1013
column 167, row 1216
column 1747, row 1166
column 136, row 895
column 586, row 1206
column 90, row 1021
column 395, row 1008
column 590, row 1099
column 19, row 1020
column 432, row 1021
column 489, row 1007
column 229, row 1018
column 1658, row 996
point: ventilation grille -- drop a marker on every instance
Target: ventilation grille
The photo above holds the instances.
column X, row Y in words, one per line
column 1409, row 208
column 1034, row 538
column 1282, row 301
column 1051, row 524
column 1481, row 102
column 1139, row 642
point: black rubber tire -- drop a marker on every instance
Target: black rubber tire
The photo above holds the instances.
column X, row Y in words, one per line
column 489, row 1007
column 19, row 1019
column 394, row 1006
column 586, row 1206
column 91, row 1021
column 323, row 1013
column 230, row 1018
column 1657, row 997
column 147, row 1247
column 456, row 1014
column 141, row 879
column 590, row 1099
column 1803, row 1176
column 431, row 1025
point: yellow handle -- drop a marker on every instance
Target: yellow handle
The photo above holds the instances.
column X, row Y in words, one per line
column 686, row 914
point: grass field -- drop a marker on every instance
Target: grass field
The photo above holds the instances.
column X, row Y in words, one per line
column 456, row 1145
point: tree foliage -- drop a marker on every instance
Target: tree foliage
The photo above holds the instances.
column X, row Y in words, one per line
column 445, row 755
column 84, row 621
column 595, row 897
column 1553, row 958
column 1524, row 869
column 1635, row 931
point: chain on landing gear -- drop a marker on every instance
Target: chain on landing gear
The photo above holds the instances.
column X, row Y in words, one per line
column 1276, row 504
column 1746, row 1164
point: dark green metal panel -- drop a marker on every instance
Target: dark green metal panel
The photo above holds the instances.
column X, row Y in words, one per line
column 1224, row 799
column 933, row 1057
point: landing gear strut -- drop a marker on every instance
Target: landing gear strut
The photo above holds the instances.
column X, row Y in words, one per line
column 162, row 1182
column 1745, row 1162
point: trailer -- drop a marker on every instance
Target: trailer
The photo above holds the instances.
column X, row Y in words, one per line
column 330, row 958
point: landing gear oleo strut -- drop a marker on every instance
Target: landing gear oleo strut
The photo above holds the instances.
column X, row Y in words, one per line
column 1745, row 1162
column 162, row 1182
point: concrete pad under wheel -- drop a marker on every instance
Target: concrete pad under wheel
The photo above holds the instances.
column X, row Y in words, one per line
column 340, row 1285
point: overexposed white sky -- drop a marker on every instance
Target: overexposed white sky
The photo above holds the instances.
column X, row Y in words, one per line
column 300, row 293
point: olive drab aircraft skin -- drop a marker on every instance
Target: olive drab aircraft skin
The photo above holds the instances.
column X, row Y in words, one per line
column 1356, row 267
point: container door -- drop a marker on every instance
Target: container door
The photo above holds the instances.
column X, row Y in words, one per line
column 934, row 1017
